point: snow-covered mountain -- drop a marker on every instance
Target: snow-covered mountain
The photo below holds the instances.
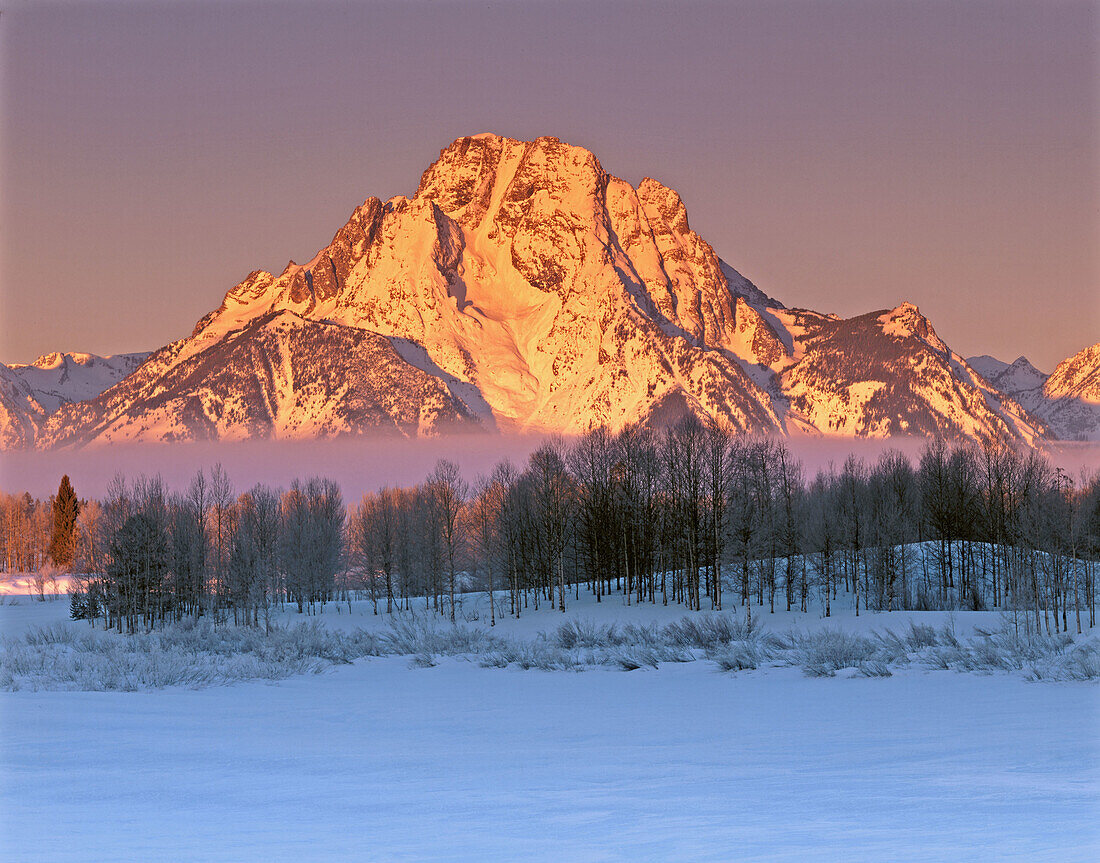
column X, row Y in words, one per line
column 524, row 288
column 1077, row 377
column 280, row 375
column 1072, row 395
column 1019, row 379
column 31, row 392
column 1067, row 401
column 20, row 414
column 57, row 379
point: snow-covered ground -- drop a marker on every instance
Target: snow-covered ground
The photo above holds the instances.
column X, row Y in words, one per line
column 378, row 760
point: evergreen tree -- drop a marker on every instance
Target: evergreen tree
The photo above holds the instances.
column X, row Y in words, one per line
column 78, row 606
column 66, row 508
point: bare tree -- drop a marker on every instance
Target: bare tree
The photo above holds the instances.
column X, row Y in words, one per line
column 449, row 491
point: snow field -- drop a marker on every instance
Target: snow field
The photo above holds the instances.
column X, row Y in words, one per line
column 74, row 656
column 379, row 760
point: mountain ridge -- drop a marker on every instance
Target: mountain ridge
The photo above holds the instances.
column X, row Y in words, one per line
column 541, row 293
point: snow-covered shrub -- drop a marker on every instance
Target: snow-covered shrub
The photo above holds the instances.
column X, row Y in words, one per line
column 1050, row 657
column 738, row 656
column 1080, row 663
column 585, row 633
column 541, row 655
column 709, row 631
column 633, row 633
column 920, row 635
column 186, row 654
column 635, row 656
column 198, row 653
column 493, row 659
column 410, row 634
column 874, row 668
column 823, row 653
column 54, row 633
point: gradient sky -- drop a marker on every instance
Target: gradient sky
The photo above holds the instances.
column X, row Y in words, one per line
column 844, row 155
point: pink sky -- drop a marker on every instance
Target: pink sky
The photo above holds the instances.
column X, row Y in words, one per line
column 845, row 156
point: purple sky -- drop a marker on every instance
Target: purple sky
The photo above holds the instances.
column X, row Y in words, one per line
column 843, row 155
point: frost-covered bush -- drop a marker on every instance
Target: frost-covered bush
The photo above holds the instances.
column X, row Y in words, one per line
column 585, row 633
column 633, row 657
column 190, row 653
column 411, row 634
column 874, row 668
column 709, row 631
column 1080, row 663
column 198, row 653
column 920, row 635
column 824, row 653
column 648, row 634
column 493, row 659
column 739, row 656
column 56, row 633
column 543, row 656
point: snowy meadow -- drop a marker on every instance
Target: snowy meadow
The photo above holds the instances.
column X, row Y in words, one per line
column 363, row 736
column 63, row 655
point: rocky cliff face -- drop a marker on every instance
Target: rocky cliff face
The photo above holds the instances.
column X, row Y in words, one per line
column 29, row 393
column 888, row 373
column 524, row 288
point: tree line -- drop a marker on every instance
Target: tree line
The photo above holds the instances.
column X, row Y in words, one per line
column 38, row 537
column 691, row 515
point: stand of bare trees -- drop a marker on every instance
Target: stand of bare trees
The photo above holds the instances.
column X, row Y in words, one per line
column 691, row 515
column 25, row 526
column 698, row 517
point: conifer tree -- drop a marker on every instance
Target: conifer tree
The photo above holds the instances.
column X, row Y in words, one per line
column 78, row 606
column 66, row 508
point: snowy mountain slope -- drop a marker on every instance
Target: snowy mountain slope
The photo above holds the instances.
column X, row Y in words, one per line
column 1077, row 377
column 280, row 376
column 59, row 378
column 1020, row 379
column 20, row 413
column 541, row 293
column 1067, row 401
column 888, row 373
column 1073, row 396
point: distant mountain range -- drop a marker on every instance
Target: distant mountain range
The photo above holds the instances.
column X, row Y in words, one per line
column 1067, row 401
column 522, row 288
column 30, row 393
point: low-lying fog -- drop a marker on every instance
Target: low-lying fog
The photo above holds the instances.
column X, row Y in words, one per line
column 368, row 463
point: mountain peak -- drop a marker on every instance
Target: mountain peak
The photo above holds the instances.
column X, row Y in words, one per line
column 906, row 321
column 49, row 361
column 524, row 288
column 1023, row 364
column 494, row 179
